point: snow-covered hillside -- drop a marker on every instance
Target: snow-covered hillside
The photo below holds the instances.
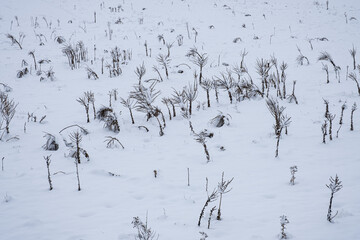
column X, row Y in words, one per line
column 249, row 51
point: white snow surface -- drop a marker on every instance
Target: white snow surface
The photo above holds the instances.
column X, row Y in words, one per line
column 261, row 193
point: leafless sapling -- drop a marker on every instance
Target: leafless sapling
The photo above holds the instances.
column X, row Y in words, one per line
column 76, row 150
column 48, row 161
column 164, row 61
column 15, row 41
column 85, row 102
column 292, row 97
column 353, row 109
column 262, row 68
column 207, row 85
column 222, row 189
column 91, row 74
column 211, row 198
column 324, row 131
column 32, row 54
column 90, row 96
column 202, row 138
column 145, row 97
column 330, row 117
column 326, row 102
column 226, row 82
column 325, row 56
column 7, row 110
column 293, row 170
column 113, row 142
column 129, row 104
column 143, row 231
column 283, row 222
column 353, row 77
column 281, row 120
column 158, row 72
column 326, row 69
column 198, row 59
column 210, row 215
column 191, row 93
column 343, row 107
column 334, row 186
column 140, row 72
column 283, row 67
column 166, row 101
column 169, row 46
column 353, row 55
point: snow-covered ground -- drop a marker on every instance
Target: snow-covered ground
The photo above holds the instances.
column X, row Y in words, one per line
column 243, row 150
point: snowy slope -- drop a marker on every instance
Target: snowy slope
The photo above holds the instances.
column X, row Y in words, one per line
column 106, row 205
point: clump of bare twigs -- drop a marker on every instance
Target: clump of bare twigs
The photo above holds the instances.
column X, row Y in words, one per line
column 324, row 131
column 113, row 142
column 16, row 41
column 220, row 120
column 91, row 74
column 226, row 82
column 292, row 98
column 281, row 120
column 7, row 110
column 325, row 56
column 334, row 186
column 191, row 93
column 353, row 77
column 51, row 143
column 143, row 231
column 76, row 150
column 145, row 97
column 301, row 58
column 129, row 104
column 109, row 118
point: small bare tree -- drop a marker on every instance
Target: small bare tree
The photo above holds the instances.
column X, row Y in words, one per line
column 330, row 117
column 353, row 55
column 207, row 85
column 334, row 186
column 293, row 170
column 164, row 61
column 211, row 198
column 140, row 72
column 353, row 109
column 283, row 222
column 202, row 138
column 198, row 59
column 222, row 189
column 15, row 41
column 281, row 120
column 353, row 77
column 7, row 110
column 324, row 131
column 76, row 139
column 48, row 161
column 129, row 104
column 325, row 56
column 191, row 93
column 343, row 107
column 90, row 96
column 226, row 82
column 85, row 102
